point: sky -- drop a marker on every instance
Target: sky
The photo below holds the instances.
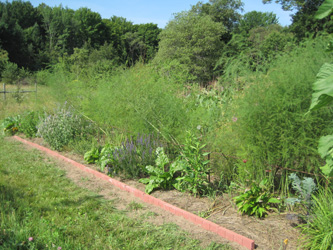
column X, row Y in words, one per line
column 159, row 12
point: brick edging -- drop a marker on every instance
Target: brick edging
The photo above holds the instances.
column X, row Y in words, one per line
column 208, row 225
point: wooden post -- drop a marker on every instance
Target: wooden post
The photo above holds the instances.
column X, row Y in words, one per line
column 4, row 91
column 36, row 90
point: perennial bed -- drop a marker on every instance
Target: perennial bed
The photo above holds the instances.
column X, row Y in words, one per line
column 269, row 233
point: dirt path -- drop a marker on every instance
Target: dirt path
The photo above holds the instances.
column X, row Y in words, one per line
column 267, row 234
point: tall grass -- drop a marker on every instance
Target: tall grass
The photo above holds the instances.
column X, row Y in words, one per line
column 135, row 100
column 318, row 232
column 266, row 124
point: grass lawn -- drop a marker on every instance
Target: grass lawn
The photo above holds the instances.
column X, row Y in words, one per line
column 41, row 209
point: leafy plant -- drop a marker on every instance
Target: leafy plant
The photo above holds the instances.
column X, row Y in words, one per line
column 196, row 170
column 62, row 127
column 92, row 156
column 11, row 124
column 29, row 123
column 159, row 176
column 323, row 95
column 106, row 159
column 304, row 189
column 256, row 201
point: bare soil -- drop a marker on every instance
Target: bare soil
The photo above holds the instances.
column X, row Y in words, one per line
column 268, row 233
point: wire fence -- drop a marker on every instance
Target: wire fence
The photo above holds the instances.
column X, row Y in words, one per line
column 17, row 91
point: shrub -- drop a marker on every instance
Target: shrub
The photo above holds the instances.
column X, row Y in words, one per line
column 62, row 127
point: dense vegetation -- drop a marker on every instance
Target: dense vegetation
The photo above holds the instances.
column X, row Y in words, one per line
column 215, row 93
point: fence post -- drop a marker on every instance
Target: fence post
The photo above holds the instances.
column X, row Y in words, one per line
column 4, row 91
column 36, row 89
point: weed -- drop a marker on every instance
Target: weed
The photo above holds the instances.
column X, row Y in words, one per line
column 135, row 206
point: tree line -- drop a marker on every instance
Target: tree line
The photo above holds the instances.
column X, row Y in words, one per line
column 211, row 40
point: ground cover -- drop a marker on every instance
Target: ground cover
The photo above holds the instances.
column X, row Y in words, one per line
column 42, row 209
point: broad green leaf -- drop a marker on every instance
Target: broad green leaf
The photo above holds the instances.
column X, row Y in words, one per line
column 144, row 180
column 325, row 145
column 327, row 170
column 323, row 87
column 273, row 200
column 325, row 9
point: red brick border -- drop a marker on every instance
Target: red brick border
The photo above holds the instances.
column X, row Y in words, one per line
column 208, row 225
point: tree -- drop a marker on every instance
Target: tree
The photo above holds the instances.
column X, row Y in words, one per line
column 288, row 4
column 255, row 19
column 90, row 28
column 17, row 21
column 304, row 23
column 221, row 11
column 193, row 41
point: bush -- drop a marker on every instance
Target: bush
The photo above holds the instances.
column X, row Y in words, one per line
column 62, row 127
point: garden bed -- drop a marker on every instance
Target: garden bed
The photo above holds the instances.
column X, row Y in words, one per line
column 268, row 233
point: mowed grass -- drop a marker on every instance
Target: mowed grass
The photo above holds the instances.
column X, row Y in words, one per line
column 40, row 208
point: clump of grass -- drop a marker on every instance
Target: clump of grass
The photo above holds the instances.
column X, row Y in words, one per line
column 318, row 232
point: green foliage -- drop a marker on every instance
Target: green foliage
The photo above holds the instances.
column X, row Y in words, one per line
column 101, row 156
column 325, row 9
column 11, row 124
column 225, row 12
column 29, row 122
column 196, row 170
column 131, row 158
column 322, row 87
column 159, row 176
column 266, row 123
column 322, row 96
column 11, row 73
column 318, row 233
column 192, row 40
column 256, row 201
column 255, row 19
column 304, row 189
column 92, row 156
column 61, row 127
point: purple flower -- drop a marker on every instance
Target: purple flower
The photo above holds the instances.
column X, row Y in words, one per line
column 59, row 248
column 234, row 119
column 31, row 239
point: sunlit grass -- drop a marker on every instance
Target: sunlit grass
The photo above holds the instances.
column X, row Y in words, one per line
column 17, row 103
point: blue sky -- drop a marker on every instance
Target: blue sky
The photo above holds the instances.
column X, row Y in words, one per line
column 155, row 11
